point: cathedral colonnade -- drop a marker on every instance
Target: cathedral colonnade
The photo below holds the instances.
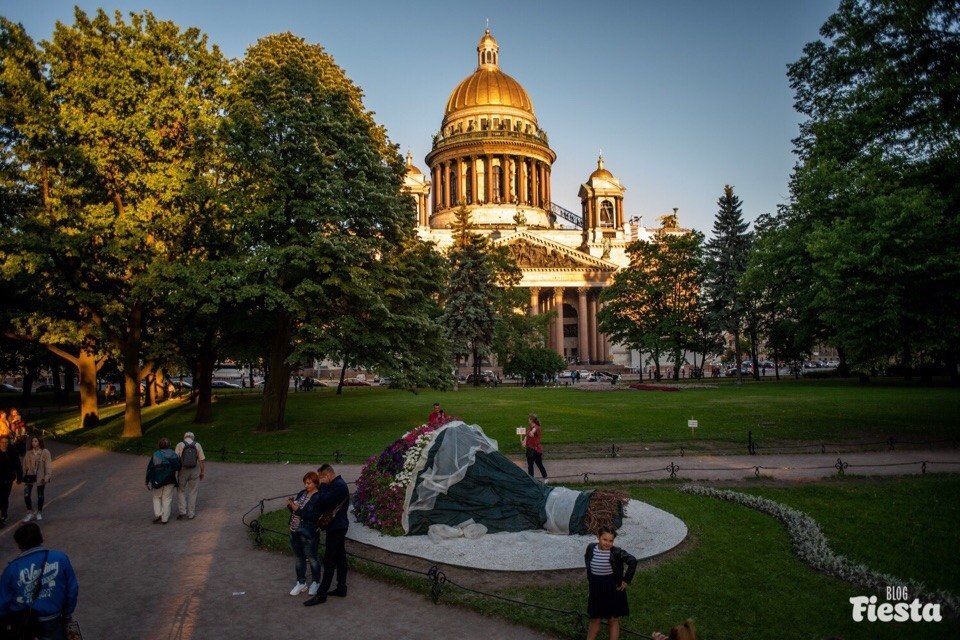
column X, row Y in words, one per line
column 500, row 178
column 573, row 332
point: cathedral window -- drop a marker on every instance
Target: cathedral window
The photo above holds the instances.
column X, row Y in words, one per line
column 452, row 181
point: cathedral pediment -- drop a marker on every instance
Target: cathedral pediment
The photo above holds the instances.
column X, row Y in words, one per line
column 531, row 252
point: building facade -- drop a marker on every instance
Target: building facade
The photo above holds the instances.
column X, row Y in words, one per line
column 492, row 156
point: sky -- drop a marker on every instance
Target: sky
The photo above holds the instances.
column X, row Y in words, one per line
column 682, row 97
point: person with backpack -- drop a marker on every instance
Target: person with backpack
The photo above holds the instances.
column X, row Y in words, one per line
column 191, row 473
column 161, row 480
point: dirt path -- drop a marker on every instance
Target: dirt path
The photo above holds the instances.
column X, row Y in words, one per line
column 203, row 579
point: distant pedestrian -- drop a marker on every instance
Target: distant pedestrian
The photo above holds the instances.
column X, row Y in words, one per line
column 5, row 429
column 10, row 471
column 17, row 425
column 37, row 470
column 534, row 448
column 42, row 580
column 162, row 479
column 191, row 473
column 334, row 497
column 609, row 570
column 304, row 537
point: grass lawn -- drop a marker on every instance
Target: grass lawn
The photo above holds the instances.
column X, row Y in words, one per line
column 739, row 578
column 364, row 420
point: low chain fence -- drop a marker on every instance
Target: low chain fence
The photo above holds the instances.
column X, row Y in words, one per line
column 435, row 577
column 560, row 452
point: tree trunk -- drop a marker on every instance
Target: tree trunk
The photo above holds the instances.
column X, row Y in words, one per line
column 843, row 370
column 907, row 362
column 343, row 375
column 753, row 351
column 202, row 392
column 28, row 379
column 130, row 357
column 87, row 368
column 736, row 354
column 278, row 384
column 776, row 365
column 148, row 390
column 476, row 368
column 203, row 376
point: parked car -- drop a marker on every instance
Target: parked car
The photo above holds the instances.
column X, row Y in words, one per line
column 44, row 388
column 487, row 377
column 9, row 388
column 355, row 382
column 223, row 384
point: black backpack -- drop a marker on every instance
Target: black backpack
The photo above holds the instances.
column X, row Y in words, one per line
column 189, row 456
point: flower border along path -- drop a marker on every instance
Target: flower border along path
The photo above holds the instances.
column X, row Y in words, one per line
column 813, row 548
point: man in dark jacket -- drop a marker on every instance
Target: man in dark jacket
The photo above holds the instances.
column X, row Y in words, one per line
column 162, row 480
column 334, row 494
column 10, row 471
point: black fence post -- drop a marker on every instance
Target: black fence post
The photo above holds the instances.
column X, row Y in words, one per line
column 223, row 454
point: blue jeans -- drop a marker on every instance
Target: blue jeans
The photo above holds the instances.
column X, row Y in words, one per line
column 304, row 548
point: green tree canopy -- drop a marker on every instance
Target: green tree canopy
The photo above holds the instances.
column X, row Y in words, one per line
column 875, row 197
column 653, row 304
column 319, row 188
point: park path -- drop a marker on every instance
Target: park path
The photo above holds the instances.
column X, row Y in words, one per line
column 204, row 580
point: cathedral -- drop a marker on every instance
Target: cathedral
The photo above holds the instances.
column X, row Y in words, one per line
column 491, row 155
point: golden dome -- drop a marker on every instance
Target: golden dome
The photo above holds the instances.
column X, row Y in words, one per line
column 488, row 86
column 411, row 168
column 601, row 173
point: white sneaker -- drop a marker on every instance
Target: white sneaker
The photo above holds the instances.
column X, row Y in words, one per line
column 39, row 516
column 314, row 587
column 28, row 518
column 298, row 588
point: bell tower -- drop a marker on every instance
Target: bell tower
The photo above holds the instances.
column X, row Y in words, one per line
column 601, row 198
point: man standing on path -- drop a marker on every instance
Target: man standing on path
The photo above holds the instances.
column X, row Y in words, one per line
column 10, row 471
column 41, row 579
column 191, row 473
column 161, row 480
column 334, row 494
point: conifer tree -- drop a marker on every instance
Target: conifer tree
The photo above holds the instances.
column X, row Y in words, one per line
column 727, row 253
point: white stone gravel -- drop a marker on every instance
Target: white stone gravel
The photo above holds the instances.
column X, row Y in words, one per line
column 646, row 532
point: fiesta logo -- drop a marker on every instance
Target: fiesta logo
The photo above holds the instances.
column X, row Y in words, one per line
column 901, row 611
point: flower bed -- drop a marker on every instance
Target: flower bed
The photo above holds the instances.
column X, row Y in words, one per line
column 654, row 387
column 812, row 547
column 382, row 485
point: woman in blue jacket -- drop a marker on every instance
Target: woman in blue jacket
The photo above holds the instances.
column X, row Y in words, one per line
column 304, row 539
column 609, row 570
column 57, row 597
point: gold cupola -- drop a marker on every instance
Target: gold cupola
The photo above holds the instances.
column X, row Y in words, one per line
column 601, row 198
column 490, row 154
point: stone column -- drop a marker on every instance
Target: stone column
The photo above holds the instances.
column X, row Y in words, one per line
column 619, row 221
column 475, row 179
column 436, row 188
column 534, row 200
column 445, row 176
column 488, row 178
column 592, row 327
column 547, row 195
column 603, row 345
column 583, row 349
column 534, row 300
column 558, row 326
column 505, row 187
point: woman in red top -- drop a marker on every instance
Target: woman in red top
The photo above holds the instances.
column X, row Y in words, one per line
column 532, row 443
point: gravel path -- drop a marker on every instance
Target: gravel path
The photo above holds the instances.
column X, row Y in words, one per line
column 203, row 580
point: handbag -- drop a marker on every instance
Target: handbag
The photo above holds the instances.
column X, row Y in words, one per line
column 22, row 624
column 31, row 478
column 326, row 518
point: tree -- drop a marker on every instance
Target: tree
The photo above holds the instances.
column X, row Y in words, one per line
column 727, row 254
column 875, row 194
column 534, row 363
column 114, row 142
column 653, row 304
column 777, row 280
column 394, row 327
column 479, row 293
column 319, row 188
